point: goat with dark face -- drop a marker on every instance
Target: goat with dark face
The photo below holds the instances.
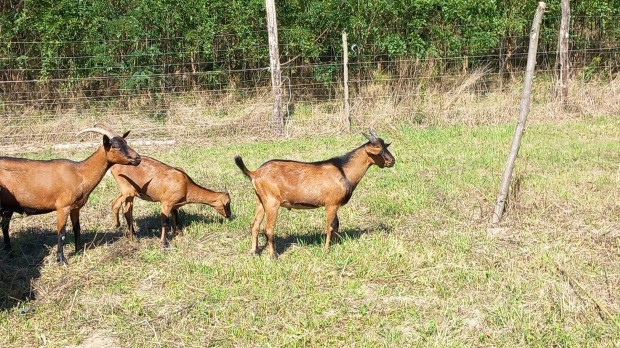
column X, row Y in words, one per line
column 301, row 185
column 39, row 187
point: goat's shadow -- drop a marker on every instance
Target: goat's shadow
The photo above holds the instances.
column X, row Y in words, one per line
column 21, row 266
column 149, row 226
column 318, row 237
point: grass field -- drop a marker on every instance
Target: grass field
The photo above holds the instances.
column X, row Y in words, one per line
column 416, row 262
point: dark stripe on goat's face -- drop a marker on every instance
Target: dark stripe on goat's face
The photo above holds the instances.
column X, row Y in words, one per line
column 121, row 145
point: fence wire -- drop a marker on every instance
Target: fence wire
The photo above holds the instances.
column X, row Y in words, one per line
column 205, row 101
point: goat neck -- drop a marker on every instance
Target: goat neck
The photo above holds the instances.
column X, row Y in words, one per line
column 94, row 168
column 199, row 194
column 356, row 166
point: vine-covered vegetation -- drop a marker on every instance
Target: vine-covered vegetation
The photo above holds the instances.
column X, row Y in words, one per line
column 130, row 45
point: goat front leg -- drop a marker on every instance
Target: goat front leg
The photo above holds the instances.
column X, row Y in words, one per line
column 165, row 214
column 61, row 228
column 77, row 230
column 258, row 218
column 331, row 214
column 6, row 220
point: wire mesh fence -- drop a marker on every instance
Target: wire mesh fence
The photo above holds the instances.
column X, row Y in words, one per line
column 172, row 93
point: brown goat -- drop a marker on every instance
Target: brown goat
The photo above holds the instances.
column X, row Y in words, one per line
column 300, row 185
column 155, row 181
column 38, row 187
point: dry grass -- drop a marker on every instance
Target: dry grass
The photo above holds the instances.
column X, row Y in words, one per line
column 386, row 99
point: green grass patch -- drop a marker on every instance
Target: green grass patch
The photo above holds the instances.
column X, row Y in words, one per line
column 416, row 263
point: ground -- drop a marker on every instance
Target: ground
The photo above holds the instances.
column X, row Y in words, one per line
column 417, row 262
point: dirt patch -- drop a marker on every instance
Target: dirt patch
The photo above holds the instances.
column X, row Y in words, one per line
column 99, row 339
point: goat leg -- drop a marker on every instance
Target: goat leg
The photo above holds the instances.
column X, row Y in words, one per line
column 116, row 207
column 131, row 231
column 332, row 224
column 165, row 213
column 271, row 211
column 258, row 218
column 176, row 223
column 6, row 220
column 77, row 230
column 62, row 233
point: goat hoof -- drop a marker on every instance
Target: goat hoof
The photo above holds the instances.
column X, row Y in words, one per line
column 165, row 244
column 62, row 261
column 274, row 256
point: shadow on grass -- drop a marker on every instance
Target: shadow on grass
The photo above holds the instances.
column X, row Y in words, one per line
column 150, row 226
column 21, row 266
column 318, row 238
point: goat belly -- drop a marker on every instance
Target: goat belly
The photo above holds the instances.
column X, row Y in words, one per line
column 299, row 205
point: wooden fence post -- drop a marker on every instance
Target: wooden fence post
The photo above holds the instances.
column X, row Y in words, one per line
column 523, row 111
column 274, row 63
column 345, row 64
column 563, row 51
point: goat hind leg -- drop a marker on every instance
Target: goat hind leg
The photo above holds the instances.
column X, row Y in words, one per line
column 116, row 207
column 271, row 211
column 131, row 231
column 6, row 220
column 258, row 218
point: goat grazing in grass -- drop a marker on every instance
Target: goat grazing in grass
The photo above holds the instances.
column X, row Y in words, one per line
column 158, row 182
column 300, row 185
column 39, row 187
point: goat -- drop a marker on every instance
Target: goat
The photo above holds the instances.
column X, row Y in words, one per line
column 155, row 181
column 301, row 185
column 39, row 187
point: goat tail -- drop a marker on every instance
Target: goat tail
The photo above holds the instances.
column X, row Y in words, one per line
column 241, row 165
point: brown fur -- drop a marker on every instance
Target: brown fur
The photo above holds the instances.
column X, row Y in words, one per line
column 158, row 182
column 40, row 187
column 301, row 185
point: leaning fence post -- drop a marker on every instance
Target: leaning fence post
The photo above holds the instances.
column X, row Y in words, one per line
column 523, row 111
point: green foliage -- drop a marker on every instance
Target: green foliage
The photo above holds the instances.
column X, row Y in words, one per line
column 136, row 40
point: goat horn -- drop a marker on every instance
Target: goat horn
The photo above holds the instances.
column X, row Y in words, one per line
column 371, row 137
column 372, row 132
column 98, row 130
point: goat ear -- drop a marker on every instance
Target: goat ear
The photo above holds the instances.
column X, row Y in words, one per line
column 106, row 141
column 126, row 134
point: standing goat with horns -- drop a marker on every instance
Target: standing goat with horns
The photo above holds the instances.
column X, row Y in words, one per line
column 38, row 187
column 302, row 185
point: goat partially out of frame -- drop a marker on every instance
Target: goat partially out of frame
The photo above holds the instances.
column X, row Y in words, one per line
column 301, row 185
column 155, row 181
column 39, row 187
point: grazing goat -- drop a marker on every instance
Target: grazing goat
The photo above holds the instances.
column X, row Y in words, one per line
column 158, row 182
column 39, row 187
column 300, row 185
